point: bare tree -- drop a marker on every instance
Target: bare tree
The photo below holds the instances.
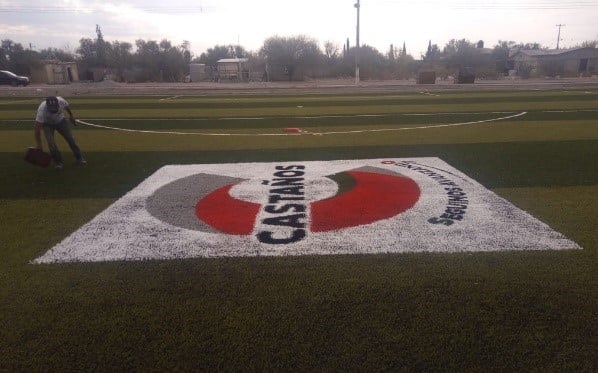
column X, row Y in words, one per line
column 331, row 52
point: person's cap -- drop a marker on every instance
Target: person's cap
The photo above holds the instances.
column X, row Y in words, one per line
column 52, row 104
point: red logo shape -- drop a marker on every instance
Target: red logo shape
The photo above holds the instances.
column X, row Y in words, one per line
column 374, row 196
column 227, row 214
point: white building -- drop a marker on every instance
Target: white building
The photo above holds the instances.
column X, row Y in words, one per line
column 55, row 72
column 556, row 62
column 234, row 69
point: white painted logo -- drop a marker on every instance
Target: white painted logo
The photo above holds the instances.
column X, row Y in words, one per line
column 305, row 208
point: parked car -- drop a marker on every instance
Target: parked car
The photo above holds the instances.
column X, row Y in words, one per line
column 6, row 77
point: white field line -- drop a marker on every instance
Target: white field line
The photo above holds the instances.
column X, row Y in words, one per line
column 304, row 117
column 420, row 127
column 571, row 111
column 17, row 101
column 309, row 117
column 169, row 98
column 302, row 131
column 177, row 132
column 296, row 117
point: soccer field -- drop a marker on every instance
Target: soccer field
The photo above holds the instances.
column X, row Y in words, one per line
column 433, row 309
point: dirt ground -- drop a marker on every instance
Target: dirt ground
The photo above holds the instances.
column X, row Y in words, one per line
column 313, row 86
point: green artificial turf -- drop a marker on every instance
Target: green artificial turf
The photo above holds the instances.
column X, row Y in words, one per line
column 501, row 311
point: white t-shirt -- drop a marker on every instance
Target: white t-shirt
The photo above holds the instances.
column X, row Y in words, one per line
column 44, row 116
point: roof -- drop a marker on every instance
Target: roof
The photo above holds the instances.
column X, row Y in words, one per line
column 57, row 62
column 548, row 52
column 233, row 60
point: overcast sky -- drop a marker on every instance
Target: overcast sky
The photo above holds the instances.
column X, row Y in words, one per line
column 205, row 23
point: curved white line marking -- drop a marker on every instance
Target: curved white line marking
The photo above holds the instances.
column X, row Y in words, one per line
column 421, row 127
column 169, row 98
column 16, row 101
column 302, row 117
column 180, row 133
column 302, row 132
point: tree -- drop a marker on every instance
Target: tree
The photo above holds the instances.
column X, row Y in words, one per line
column 290, row 56
column 462, row 46
column 173, row 66
column 93, row 53
column 146, row 63
column 6, row 48
column 119, row 57
column 402, row 66
column 589, row 44
column 240, row 52
column 17, row 59
column 87, row 52
column 331, row 52
column 405, row 67
column 100, row 47
column 459, row 54
column 56, row 54
column 432, row 53
column 501, row 53
column 159, row 61
column 391, row 52
column 372, row 63
column 186, row 47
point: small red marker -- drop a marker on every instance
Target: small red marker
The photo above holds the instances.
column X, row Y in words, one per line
column 292, row 130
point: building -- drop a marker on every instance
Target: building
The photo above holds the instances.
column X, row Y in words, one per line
column 555, row 62
column 233, row 69
column 198, row 72
column 55, row 72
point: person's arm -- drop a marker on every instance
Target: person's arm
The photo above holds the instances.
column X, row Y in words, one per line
column 37, row 129
column 73, row 120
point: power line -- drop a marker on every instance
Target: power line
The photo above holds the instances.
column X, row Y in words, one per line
column 63, row 9
column 458, row 5
column 496, row 5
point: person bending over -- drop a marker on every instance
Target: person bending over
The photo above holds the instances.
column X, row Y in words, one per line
column 50, row 118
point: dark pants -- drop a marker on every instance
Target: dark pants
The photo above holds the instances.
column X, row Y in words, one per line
column 64, row 129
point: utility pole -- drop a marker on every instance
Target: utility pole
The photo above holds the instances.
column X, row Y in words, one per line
column 357, row 46
column 558, row 38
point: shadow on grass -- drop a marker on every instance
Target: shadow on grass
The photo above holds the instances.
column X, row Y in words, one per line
column 495, row 165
